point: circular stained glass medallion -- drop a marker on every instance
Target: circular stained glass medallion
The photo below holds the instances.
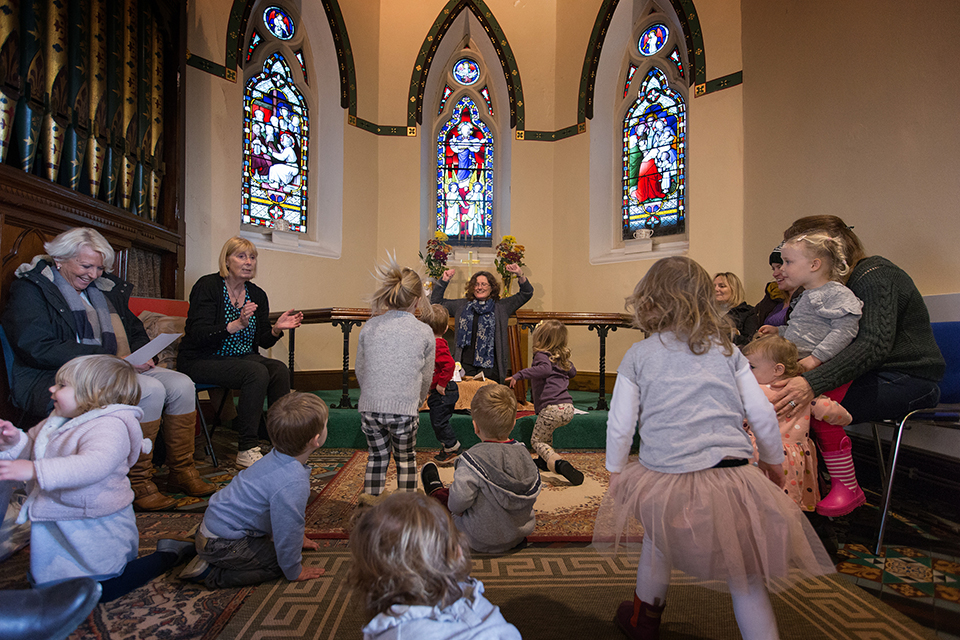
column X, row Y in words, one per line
column 278, row 22
column 466, row 71
column 653, row 39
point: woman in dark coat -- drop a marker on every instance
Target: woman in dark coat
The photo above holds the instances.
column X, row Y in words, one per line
column 227, row 324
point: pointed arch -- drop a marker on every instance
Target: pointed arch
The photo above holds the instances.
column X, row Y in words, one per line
column 692, row 35
column 500, row 44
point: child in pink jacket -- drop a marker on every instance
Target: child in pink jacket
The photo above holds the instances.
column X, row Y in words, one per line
column 75, row 465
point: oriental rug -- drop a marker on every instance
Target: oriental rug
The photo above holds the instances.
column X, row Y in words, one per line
column 564, row 512
column 549, row 592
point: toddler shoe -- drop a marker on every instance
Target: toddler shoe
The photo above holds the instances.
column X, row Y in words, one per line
column 446, row 457
column 430, row 476
column 639, row 620
column 541, row 463
column 196, row 570
column 567, row 470
column 248, row 457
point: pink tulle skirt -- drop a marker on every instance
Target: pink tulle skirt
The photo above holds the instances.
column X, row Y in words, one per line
column 719, row 525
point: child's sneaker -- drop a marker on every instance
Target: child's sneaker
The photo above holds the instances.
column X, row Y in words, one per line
column 430, row 476
column 248, row 457
column 445, row 458
column 196, row 570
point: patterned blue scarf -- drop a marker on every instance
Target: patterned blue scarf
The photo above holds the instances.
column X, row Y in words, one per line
column 483, row 354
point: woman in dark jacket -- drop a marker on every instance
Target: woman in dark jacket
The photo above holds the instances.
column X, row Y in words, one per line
column 481, row 320
column 227, row 324
column 730, row 298
column 66, row 305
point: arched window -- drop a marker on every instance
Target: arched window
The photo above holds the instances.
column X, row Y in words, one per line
column 465, row 175
column 653, row 153
column 275, row 149
column 465, row 160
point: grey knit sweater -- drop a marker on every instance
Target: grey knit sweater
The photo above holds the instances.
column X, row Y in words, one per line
column 395, row 359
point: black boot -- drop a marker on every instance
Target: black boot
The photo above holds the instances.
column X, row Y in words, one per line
column 430, row 476
column 541, row 463
column 47, row 613
column 566, row 469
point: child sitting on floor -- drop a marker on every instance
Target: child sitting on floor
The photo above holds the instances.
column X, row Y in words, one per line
column 550, row 374
column 252, row 530
column 75, row 464
column 443, row 390
column 411, row 568
column 772, row 359
column 495, row 484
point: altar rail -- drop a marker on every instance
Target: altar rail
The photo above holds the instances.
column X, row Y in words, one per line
column 347, row 318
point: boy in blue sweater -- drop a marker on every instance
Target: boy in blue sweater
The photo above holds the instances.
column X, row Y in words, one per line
column 252, row 530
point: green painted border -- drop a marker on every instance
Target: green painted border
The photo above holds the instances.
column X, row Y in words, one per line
column 511, row 73
column 719, row 84
column 211, row 67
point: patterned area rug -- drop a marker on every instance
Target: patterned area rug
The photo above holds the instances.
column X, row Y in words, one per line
column 550, row 592
column 564, row 512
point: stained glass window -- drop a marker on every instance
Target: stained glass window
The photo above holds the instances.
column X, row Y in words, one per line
column 278, row 22
column 652, row 39
column 255, row 40
column 275, row 128
column 485, row 92
column 303, row 65
column 466, row 71
column 654, row 160
column 447, row 91
column 465, row 177
column 675, row 56
column 630, row 72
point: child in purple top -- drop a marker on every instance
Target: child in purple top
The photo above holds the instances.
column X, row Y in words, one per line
column 549, row 376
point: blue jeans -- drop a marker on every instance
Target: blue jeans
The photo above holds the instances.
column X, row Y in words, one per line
column 441, row 409
column 888, row 395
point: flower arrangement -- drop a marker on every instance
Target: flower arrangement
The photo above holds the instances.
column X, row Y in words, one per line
column 508, row 252
column 437, row 253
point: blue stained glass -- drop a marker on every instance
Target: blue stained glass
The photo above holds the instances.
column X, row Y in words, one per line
column 447, row 91
column 465, row 178
column 278, row 22
column 675, row 56
column 653, row 39
column 255, row 40
column 654, row 160
column 466, row 71
column 485, row 92
column 275, row 150
column 630, row 73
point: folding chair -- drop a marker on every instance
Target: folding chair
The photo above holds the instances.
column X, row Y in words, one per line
column 945, row 415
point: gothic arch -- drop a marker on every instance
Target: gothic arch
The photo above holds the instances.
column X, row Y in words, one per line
column 498, row 39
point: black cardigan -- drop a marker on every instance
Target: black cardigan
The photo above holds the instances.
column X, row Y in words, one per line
column 206, row 326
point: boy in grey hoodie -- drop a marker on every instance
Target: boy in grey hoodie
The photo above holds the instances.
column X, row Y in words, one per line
column 496, row 483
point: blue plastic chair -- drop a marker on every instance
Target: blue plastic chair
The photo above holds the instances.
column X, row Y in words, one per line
column 945, row 415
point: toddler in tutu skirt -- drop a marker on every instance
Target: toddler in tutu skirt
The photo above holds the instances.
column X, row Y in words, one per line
column 703, row 509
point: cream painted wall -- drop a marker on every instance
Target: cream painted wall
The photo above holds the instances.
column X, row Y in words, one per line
column 853, row 112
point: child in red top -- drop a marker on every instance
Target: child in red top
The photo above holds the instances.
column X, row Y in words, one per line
column 443, row 390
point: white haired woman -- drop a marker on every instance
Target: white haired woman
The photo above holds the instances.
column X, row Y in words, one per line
column 227, row 324
column 68, row 304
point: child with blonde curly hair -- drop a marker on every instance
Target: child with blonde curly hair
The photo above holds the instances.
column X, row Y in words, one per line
column 411, row 568
column 703, row 508
column 825, row 320
column 550, row 374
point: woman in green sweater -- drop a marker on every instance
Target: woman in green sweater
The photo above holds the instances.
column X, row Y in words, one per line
column 894, row 362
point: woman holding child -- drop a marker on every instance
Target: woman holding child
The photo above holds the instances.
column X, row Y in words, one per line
column 481, row 320
column 227, row 324
column 892, row 365
column 68, row 304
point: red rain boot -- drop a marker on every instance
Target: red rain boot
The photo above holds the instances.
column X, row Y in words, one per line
column 845, row 494
column 639, row 620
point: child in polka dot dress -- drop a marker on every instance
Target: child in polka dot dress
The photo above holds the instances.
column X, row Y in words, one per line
column 773, row 358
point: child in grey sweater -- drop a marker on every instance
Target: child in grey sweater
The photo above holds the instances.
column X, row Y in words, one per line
column 496, row 483
column 395, row 359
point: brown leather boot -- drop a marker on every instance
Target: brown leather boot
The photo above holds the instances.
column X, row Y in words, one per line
column 639, row 620
column 146, row 496
column 178, row 435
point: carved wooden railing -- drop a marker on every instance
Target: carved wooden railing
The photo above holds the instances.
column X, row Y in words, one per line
column 347, row 318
